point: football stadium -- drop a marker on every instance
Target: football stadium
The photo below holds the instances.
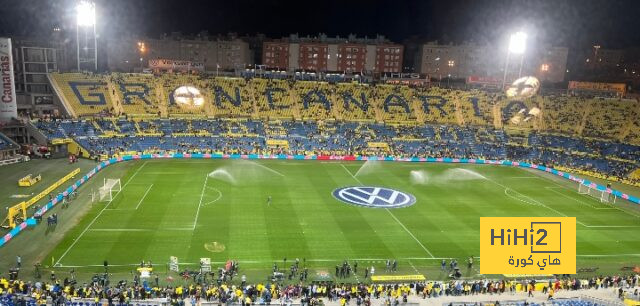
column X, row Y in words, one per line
column 290, row 177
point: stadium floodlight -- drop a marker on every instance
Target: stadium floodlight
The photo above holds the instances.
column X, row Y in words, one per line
column 517, row 43
column 86, row 14
column 86, row 19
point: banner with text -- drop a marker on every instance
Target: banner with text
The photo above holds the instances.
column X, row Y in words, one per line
column 522, row 245
column 618, row 88
column 166, row 64
column 8, row 102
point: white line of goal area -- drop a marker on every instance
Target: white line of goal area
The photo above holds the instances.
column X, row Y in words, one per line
column 394, row 217
column 380, row 260
column 99, row 214
column 553, row 189
column 139, row 202
column 558, row 212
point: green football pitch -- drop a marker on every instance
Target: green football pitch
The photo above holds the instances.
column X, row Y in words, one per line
column 219, row 209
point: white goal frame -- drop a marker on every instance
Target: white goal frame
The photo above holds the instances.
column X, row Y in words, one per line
column 601, row 195
column 109, row 189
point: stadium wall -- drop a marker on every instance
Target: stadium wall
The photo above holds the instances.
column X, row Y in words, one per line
column 33, row 222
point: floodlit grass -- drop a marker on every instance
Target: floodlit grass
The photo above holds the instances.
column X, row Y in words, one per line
column 218, row 209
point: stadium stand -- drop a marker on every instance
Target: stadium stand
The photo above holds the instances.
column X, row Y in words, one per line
column 274, row 115
column 85, row 94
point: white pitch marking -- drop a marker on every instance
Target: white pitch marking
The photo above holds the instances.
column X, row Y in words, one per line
column 163, row 173
column 265, row 167
column 259, row 261
column 610, row 205
column 326, row 260
column 216, row 199
column 539, row 203
column 140, row 229
column 99, row 214
column 206, row 178
column 570, row 198
column 521, row 200
column 612, row 226
column 353, row 176
column 144, row 196
column 413, row 267
column 410, row 234
column 579, row 201
column 394, row 216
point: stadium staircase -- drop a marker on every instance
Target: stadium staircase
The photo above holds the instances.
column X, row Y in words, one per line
column 497, row 116
column 36, row 133
column 583, row 121
column 628, row 127
column 459, row 115
column 117, row 102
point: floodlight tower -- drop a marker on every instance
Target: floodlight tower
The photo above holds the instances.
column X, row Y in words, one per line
column 86, row 20
column 517, row 45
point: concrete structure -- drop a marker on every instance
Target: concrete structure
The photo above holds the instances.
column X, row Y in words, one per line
column 461, row 61
column 337, row 54
column 33, row 59
column 227, row 53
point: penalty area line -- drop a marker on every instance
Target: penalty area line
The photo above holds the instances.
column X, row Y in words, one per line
column 144, row 196
column 99, row 214
column 216, row 199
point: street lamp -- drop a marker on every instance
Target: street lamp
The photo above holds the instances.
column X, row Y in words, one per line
column 142, row 48
column 86, row 18
column 517, row 45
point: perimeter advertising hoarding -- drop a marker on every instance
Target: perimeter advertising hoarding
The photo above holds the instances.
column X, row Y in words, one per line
column 8, row 102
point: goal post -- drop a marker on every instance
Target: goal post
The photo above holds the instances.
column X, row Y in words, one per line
column 109, row 189
column 601, row 195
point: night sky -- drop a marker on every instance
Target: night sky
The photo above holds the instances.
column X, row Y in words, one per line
column 575, row 24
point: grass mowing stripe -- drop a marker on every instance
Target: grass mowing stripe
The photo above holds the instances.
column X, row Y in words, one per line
column 394, row 217
column 144, row 196
column 307, row 222
column 98, row 215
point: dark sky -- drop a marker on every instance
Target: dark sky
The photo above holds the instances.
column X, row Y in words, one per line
column 572, row 23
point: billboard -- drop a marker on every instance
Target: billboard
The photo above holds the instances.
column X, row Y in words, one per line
column 619, row 88
column 8, row 102
column 168, row 64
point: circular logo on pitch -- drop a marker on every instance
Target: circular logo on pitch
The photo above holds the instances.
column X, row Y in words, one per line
column 368, row 196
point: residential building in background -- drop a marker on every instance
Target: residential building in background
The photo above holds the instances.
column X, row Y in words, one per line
column 336, row 54
column 215, row 53
column 33, row 59
column 549, row 64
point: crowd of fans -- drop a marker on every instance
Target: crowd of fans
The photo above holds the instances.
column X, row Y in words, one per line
column 58, row 292
column 107, row 137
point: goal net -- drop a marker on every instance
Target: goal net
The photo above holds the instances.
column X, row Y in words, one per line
column 601, row 195
column 109, row 189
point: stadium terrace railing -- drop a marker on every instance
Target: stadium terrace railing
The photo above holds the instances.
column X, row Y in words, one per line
column 33, row 222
